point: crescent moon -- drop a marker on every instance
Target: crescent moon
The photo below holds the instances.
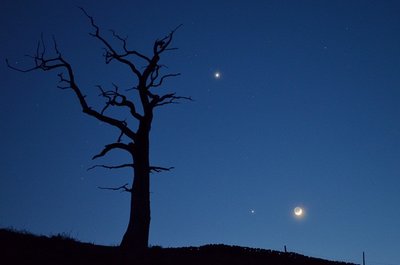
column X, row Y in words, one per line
column 298, row 211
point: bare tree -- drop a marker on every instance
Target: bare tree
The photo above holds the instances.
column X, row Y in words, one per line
column 134, row 141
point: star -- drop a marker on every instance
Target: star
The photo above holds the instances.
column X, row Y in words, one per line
column 217, row 75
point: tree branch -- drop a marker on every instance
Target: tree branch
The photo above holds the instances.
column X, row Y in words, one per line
column 129, row 52
column 58, row 62
column 122, row 188
column 162, row 45
column 159, row 83
column 152, row 168
column 160, row 169
column 110, row 52
column 170, row 98
column 114, row 98
column 110, row 147
column 159, row 47
column 112, row 167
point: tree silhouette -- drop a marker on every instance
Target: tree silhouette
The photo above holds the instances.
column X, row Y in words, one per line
column 134, row 141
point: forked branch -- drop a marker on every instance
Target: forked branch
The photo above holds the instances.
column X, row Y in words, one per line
column 121, row 188
column 126, row 50
column 110, row 53
column 58, row 62
column 166, row 99
column 114, row 98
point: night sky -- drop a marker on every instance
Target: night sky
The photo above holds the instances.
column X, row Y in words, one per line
column 305, row 113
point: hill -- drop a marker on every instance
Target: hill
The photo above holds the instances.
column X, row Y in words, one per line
column 26, row 248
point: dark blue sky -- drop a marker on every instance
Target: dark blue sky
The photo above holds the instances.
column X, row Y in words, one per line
column 306, row 113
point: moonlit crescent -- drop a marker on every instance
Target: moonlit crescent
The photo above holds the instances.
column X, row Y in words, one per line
column 298, row 211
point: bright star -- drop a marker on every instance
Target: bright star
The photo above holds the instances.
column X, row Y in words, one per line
column 217, row 75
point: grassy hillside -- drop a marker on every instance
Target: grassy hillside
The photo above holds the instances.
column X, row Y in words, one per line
column 25, row 248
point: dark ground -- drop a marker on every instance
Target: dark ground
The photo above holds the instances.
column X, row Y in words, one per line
column 25, row 248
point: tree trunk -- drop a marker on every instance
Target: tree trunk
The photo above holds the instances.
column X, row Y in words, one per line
column 136, row 237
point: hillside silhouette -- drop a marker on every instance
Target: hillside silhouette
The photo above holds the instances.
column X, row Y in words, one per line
column 25, row 248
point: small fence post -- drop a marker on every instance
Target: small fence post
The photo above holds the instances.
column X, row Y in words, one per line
column 363, row 258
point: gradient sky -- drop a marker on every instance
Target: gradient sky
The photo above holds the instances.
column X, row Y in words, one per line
column 306, row 113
